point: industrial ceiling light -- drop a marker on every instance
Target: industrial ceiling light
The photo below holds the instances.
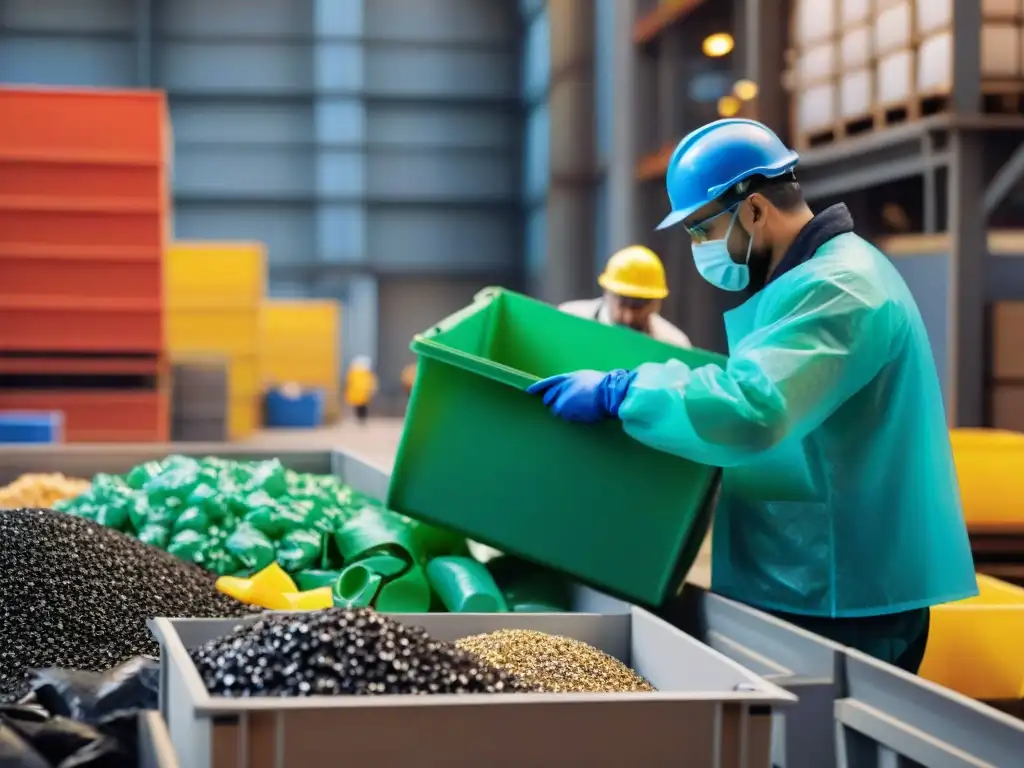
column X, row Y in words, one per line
column 729, row 106
column 717, row 45
column 745, row 90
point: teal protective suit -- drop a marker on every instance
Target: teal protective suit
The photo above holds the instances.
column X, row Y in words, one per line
column 839, row 494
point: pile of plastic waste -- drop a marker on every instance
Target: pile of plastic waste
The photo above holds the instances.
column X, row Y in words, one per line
column 283, row 539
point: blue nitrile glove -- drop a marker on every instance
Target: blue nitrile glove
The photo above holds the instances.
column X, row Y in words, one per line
column 584, row 396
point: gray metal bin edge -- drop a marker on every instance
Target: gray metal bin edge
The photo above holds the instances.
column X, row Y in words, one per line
column 890, row 714
column 799, row 661
column 86, row 460
column 884, row 706
column 360, row 473
column 154, row 742
column 701, row 684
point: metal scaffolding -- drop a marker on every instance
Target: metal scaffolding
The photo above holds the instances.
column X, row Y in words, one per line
column 950, row 153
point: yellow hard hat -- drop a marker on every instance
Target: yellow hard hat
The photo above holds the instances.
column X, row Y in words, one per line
column 635, row 272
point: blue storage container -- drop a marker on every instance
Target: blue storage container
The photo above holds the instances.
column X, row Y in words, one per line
column 304, row 410
column 39, row 427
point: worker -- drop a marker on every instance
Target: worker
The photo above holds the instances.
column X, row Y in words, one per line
column 839, row 508
column 360, row 387
column 408, row 378
column 634, row 286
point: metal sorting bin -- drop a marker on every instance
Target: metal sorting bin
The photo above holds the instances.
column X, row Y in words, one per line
column 879, row 715
column 892, row 718
column 802, row 663
column 708, row 711
column 155, row 748
column 85, row 460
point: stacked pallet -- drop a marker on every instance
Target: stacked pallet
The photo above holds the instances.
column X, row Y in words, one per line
column 200, row 401
column 302, row 345
column 215, row 292
column 862, row 65
column 83, row 221
column 1006, row 383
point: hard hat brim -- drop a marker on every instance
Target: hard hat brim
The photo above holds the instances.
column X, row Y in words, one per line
column 630, row 291
column 786, row 164
column 675, row 217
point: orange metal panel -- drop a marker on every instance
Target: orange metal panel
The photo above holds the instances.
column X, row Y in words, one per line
column 83, row 124
column 65, row 181
column 653, row 166
column 144, row 230
column 29, row 326
column 134, row 275
column 84, row 366
column 100, row 415
column 667, row 13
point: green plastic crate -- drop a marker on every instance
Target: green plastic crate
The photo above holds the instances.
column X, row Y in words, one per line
column 481, row 456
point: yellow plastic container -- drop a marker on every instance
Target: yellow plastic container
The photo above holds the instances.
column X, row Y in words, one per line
column 301, row 344
column 313, row 319
column 244, row 417
column 205, row 274
column 990, row 468
column 221, row 331
column 284, row 367
column 976, row 646
column 245, row 377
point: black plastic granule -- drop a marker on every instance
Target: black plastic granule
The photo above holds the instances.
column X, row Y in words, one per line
column 77, row 595
column 341, row 651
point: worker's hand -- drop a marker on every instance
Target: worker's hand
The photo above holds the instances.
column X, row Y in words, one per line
column 584, row 396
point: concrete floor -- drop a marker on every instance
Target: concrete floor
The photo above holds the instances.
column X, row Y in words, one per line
column 377, row 442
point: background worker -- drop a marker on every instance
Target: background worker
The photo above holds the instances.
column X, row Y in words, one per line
column 634, row 286
column 360, row 387
column 408, row 378
column 839, row 507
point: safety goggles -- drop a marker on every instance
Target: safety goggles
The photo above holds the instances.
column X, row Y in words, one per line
column 699, row 232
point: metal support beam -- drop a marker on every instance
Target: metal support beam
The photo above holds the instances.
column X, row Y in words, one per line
column 967, row 257
column 669, row 99
column 144, row 43
column 570, row 212
column 623, row 226
column 966, row 58
column 865, row 163
column 967, row 228
column 1005, row 180
column 930, row 207
column 762, row 24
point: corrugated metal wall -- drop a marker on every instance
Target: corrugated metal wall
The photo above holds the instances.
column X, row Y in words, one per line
column 373, row 145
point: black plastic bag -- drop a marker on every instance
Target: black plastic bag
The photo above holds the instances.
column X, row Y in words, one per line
column 54, row 738
column 91, row 696
column 118, row 746
column 15, row 752
column 31, row 738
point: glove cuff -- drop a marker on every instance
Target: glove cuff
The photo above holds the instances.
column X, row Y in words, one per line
column 616, row 387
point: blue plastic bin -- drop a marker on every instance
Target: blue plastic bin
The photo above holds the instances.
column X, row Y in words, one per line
column 39, row 427
column 302, row 411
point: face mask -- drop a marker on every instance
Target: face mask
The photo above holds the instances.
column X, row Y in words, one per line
column 716, row 265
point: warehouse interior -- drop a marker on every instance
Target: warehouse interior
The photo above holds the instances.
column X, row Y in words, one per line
column 397, row 156
column 247, row 229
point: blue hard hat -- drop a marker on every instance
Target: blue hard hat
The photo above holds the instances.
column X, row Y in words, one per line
column 711, row 160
